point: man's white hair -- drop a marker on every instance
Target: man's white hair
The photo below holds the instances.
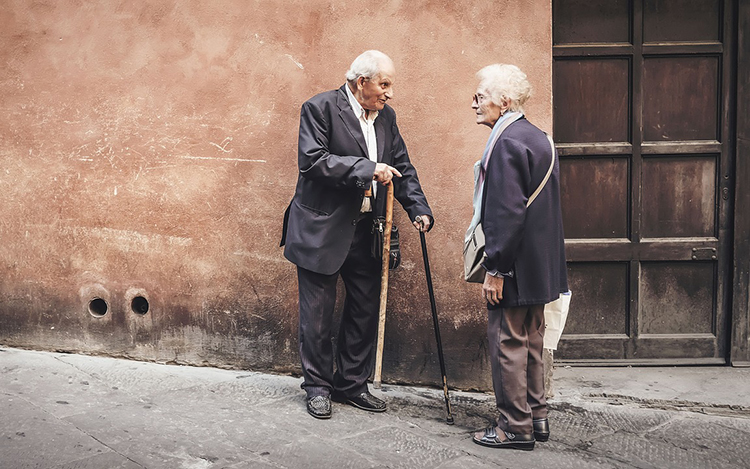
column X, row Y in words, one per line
column 368, row 65
column 505, row 81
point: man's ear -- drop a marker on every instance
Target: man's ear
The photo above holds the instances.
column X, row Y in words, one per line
column 361, row 82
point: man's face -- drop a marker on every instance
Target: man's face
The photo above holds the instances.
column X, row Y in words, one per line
column 375, row 91
column 487, row 112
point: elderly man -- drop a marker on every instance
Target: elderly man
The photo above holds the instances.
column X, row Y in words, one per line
column 348, row 138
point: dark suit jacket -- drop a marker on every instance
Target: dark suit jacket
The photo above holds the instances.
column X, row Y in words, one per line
column 334, row 172
column 528, row 241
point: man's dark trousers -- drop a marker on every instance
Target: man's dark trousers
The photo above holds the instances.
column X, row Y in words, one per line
column 359, row 320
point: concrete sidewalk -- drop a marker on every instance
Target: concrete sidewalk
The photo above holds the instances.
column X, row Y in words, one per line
column 709, row 389
column 74, row 411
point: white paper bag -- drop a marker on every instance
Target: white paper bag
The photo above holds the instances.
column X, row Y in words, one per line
column 555, row 315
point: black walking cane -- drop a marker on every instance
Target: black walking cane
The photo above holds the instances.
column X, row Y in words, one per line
column 449, row 417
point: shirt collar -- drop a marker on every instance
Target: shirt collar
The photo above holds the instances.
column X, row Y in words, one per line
column 356, row 107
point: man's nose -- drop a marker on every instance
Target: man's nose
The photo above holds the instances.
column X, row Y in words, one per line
column 389, row 93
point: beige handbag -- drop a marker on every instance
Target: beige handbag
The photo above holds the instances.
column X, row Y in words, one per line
column 474, row 248
column 474, row 256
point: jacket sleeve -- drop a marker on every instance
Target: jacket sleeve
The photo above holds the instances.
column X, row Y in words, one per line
column 504, row 206
column 407, row 188
column 317, row 163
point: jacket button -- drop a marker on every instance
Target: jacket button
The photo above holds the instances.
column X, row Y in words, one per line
column 354, row 222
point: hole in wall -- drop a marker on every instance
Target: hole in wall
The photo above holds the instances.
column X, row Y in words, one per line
column 139, row 305
column 98, row 307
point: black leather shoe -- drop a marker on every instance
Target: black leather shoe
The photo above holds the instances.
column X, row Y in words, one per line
column 319, row 407
column 491, row 439
column 367, row 401
column 541, row 429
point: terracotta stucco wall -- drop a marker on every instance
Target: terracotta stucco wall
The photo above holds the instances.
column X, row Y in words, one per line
column 148, row 149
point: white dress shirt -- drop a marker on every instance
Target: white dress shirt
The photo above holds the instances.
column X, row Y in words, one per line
column 367, row 123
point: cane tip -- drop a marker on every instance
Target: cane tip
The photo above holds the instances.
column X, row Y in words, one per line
column 449, row 420
column 376, row 384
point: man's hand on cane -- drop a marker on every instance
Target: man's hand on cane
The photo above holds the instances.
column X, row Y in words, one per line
column 422, row 223
column 384, row 173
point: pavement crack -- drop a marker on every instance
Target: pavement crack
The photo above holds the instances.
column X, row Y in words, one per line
column 107, row 446
column 663, row 424
column 728, row 410
column 729, row 427
column 578, row 449
column 95, row 439
column 53, row 416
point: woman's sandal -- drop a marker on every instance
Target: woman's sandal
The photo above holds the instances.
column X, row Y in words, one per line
column 491, row 439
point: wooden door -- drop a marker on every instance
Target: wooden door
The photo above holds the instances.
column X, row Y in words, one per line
column 642, row 122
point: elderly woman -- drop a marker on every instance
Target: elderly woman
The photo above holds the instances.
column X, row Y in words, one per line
column 525, row 253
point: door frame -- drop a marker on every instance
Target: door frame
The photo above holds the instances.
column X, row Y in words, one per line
column 733, row 303
column 740, row 309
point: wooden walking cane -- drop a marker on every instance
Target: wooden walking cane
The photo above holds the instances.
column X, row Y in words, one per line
column 384, row 285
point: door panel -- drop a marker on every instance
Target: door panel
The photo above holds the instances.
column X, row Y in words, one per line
column 591, row 100
column 605, row 21
column 606, row 287
column 677, row 298
column 681, row 20
column 679, row 197
column 599, row 208
column 640, row 120
column 680, row 98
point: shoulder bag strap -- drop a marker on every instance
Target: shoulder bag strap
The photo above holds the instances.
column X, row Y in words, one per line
column 546, row 177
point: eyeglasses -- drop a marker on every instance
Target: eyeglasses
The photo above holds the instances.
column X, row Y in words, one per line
column 478, row 98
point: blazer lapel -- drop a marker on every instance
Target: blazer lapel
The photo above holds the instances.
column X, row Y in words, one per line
column 380, row 136
column 350, row 120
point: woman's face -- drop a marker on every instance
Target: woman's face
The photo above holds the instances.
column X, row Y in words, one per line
column 487, row 112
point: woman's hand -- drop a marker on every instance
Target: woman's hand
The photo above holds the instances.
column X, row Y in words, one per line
column 492, row 290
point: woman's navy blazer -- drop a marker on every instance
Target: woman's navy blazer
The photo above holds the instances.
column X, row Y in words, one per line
column 525, row 241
